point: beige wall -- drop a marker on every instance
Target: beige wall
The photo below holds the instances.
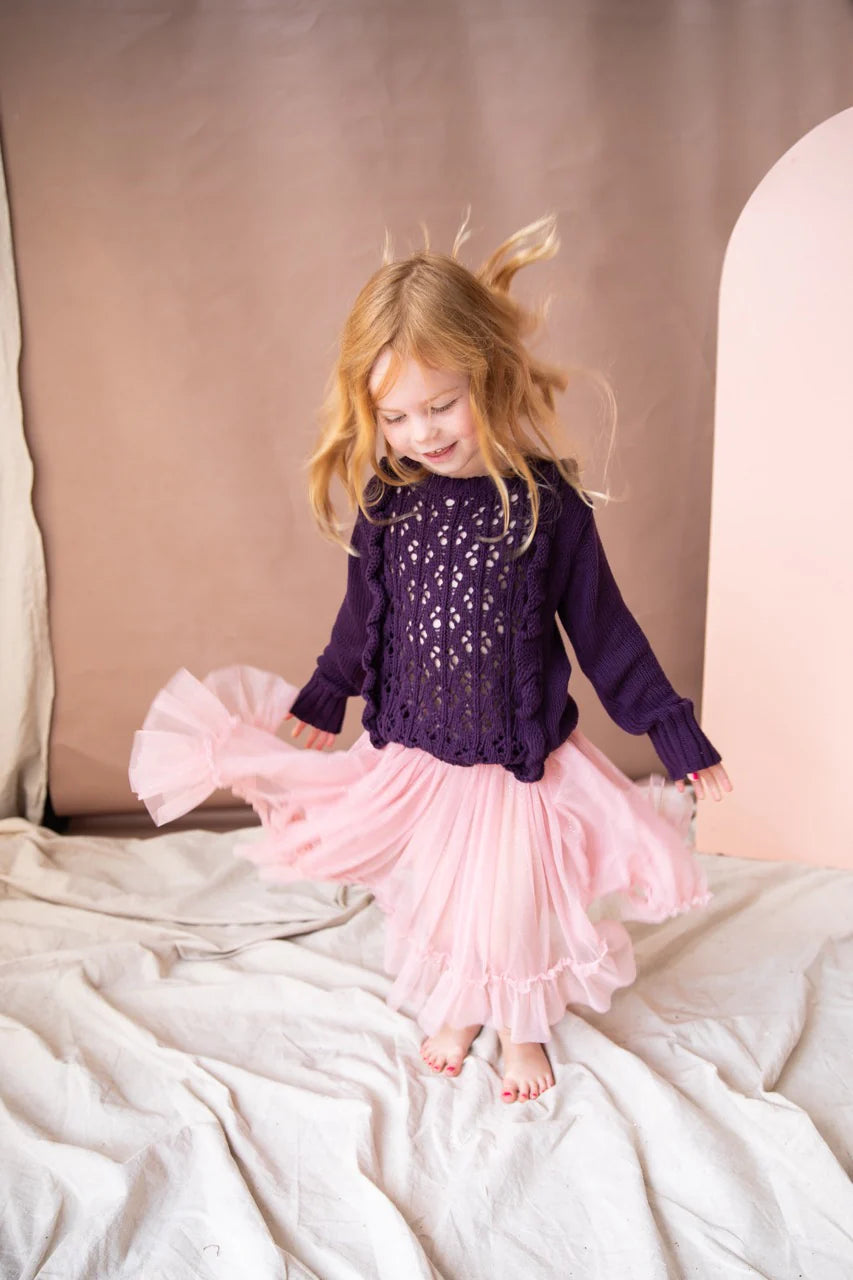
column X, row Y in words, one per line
column 780, row 590
column 198, row 191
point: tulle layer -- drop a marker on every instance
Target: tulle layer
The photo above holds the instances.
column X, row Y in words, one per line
column 493, row 888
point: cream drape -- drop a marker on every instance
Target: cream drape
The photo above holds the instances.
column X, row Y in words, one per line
column 26, row 664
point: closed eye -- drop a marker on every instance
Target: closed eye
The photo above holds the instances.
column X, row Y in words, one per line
column 392, row 422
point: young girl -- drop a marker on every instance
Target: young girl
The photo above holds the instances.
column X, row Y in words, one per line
column 488, row 827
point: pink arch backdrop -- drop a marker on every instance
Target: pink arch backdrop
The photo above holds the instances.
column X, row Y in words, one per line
column 780, row 592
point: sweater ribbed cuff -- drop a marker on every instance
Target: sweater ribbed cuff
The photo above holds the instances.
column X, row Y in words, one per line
column 319, row 705
column 681, row 744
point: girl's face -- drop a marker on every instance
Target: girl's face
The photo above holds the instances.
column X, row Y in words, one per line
column 425, row 415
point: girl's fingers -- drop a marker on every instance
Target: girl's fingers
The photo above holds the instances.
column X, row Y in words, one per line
column 721, row 780
column 711, row 781
column 317, row 738
column 700, row 784
column 717, row 780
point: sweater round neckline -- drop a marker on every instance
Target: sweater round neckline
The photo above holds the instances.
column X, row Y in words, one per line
column 435, row 483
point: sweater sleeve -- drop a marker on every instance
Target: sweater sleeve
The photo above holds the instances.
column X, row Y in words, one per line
column 339, row 673
column 617, row 658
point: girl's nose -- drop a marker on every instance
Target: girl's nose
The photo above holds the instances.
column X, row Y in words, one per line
column 423, row 429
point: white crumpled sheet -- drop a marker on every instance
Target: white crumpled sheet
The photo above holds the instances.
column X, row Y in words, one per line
column 200, row 1078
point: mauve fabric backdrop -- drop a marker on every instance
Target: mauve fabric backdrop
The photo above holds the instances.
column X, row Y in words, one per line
column 198, row 192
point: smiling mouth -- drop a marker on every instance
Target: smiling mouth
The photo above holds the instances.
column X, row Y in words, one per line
column 440, row 453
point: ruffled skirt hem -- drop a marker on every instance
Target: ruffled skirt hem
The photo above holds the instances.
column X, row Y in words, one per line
column 490, row 886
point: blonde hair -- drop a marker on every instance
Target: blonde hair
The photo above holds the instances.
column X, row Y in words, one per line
column 430, row 308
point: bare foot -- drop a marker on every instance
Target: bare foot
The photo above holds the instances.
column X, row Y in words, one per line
column 527, row 1071
column 445, row 1050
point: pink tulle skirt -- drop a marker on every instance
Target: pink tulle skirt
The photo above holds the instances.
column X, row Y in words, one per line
column 503, row 899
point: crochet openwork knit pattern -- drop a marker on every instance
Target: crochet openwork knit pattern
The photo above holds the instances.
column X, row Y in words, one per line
column 454, row 610
column 454, row 644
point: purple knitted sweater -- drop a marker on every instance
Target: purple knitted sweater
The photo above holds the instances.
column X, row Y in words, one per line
column 455, row 647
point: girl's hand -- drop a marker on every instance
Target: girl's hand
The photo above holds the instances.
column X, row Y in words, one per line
column 317, row 738
column 708, row 780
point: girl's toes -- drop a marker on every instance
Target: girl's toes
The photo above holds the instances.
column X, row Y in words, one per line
column 453, row 1066
column 510, row 1091
column 429, row 1055
column 534, row 1092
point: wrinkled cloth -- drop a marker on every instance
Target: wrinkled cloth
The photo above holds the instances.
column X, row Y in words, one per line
column 185, row 1094
column 504, row 899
